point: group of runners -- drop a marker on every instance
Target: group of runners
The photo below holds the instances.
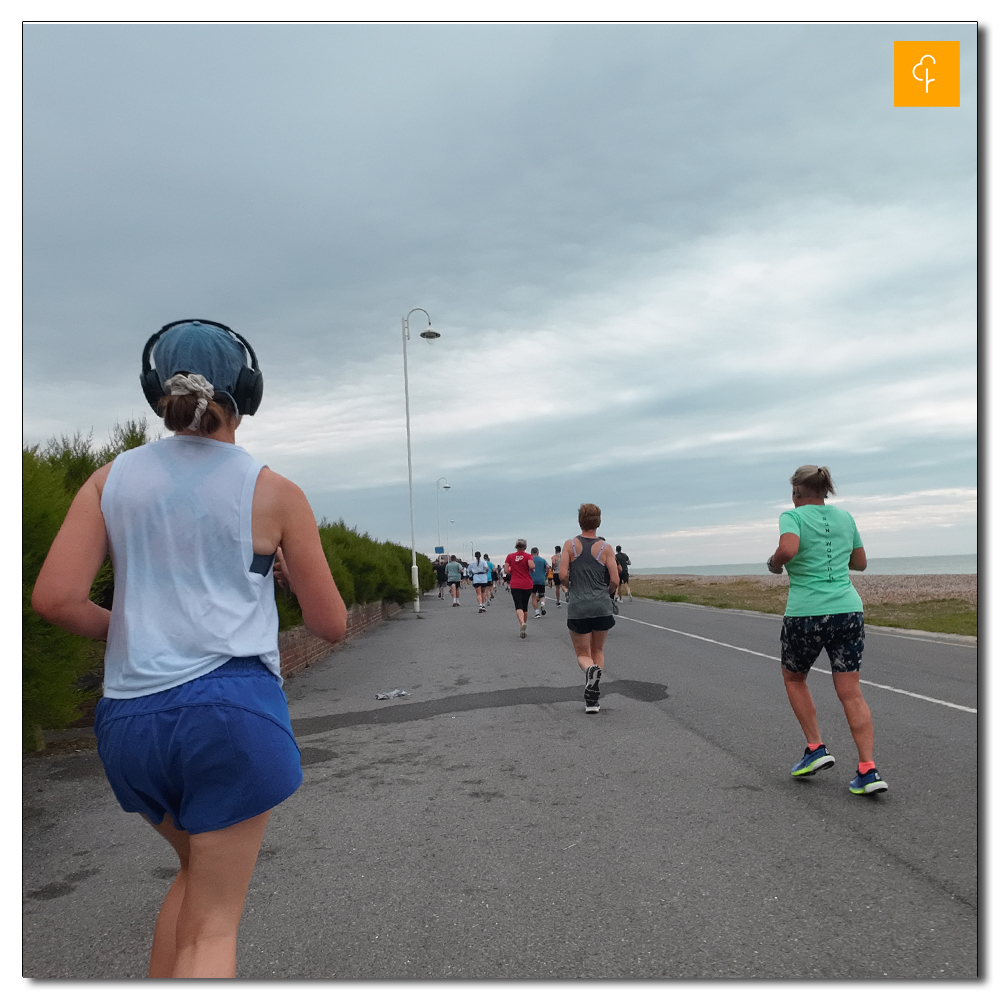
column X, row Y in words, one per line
column 818, row 544
column 600, row 578
column 486, row 577
column 193, row 727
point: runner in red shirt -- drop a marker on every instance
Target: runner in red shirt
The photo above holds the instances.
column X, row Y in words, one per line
column 519, row 565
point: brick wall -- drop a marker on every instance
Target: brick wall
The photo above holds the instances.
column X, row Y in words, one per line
column 299, row 647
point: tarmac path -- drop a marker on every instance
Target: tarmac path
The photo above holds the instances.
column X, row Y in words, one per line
column 485, row 827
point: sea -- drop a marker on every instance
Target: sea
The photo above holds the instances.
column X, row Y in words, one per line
column 888, row 566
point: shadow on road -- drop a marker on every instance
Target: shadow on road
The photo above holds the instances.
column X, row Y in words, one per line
column 413, row 711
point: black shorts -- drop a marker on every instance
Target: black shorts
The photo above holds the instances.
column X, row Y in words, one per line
column 521, row 598
column 803, row 639
column 539, row 588
column 454, row 583
column 584, row 626
column 622, row 575
column 556, row 580
column 484, row 583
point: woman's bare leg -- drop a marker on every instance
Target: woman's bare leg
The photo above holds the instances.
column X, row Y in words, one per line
column 581, row 646
column 589, row 648
column 597, row 640
column 800, row 698
column 207, row 910
column 164, row 952
column 859, row 717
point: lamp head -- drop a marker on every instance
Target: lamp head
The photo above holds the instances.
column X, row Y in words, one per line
column 430, row 334
column 446, row 487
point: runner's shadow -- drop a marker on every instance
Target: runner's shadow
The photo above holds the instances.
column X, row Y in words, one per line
column 507, row 698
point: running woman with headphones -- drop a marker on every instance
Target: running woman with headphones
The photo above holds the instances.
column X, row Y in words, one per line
column 819, row 544
column 193, row 729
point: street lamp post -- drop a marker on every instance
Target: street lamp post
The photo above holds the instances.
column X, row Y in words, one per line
column 427, row 334
column 437, row 493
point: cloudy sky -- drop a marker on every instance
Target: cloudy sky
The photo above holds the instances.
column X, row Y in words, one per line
column 668, row 263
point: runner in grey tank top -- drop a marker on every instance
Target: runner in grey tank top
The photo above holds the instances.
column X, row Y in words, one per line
column 589, row 571
column 591, row 598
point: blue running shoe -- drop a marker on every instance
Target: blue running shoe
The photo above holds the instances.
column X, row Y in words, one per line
column 866, row 784
column 813, row 761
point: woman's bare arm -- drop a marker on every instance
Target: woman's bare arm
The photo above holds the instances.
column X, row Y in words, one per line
column 62, row 591
column 787, row 550
column 284, row 521
column 858, row 560
column 564, row 566
column 608, row 558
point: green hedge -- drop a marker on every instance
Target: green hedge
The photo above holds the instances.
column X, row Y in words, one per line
column 61, row 672
column 364, row 570
column 52, row 661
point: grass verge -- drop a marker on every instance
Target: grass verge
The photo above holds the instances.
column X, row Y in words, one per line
column 952, row 616
column 956, row 617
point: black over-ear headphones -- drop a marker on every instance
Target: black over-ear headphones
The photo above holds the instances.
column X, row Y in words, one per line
column 249, row 386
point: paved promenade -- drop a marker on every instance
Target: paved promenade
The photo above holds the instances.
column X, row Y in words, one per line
column 484, row 827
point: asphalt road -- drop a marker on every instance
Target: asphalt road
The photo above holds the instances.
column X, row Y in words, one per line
column 485, row 827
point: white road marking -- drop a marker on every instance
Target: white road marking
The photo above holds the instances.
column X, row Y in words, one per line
column 777, row 659
column 892, row 633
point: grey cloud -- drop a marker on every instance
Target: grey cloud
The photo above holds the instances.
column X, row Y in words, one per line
column 306, row 184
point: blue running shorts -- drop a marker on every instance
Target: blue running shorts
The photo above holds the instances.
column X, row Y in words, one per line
column 210, row 753
column 841, row 635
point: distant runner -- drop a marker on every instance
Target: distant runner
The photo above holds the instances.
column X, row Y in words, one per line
column 556, row 578
column 819, row 544
column 492, row 586
column 623, row 564
column 519, row 566
column 538, row 575
column 441, row 572
column 497, row 574
column 454, row 573
column 591, row 574
column 479, row 570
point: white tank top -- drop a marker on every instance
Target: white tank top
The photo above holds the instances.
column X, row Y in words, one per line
column 178, row 514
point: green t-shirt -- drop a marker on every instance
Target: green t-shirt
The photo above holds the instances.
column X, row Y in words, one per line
column 819, row 583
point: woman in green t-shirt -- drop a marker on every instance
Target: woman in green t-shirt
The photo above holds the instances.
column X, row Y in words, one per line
column 819, row 544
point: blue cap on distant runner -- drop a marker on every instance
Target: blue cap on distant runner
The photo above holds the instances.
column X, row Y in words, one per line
column 201, row 349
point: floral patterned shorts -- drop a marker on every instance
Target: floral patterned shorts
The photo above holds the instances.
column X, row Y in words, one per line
column 803, row 639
